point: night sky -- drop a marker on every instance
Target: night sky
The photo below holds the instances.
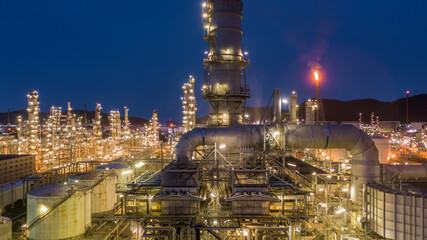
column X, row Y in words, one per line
column 139, row 53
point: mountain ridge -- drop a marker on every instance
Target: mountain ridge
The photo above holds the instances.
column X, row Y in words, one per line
column 335, row 110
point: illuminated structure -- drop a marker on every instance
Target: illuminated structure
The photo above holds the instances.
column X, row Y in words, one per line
column 33, row 123
column 63, row 139
column 310, row 111
column 20, row 135
column 224, row 87
column 53, row 135
column 126, row 124
column 16, row 166
column 154, row 127
column 80, row 140
column 151, row 132
column 189, row 105
column 320, row 114
column 235, row 182
column 96, row 123
column 115, row 125
column 293, row 107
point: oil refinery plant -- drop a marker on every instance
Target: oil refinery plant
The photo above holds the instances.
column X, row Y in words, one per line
column 285, row 177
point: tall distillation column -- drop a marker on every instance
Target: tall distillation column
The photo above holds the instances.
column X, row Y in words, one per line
column 310, row 111
column 19, row 132
column 33, row 123
column 96, row 125
column 189, row 105
column 126, row 124
column 115, row 125
column 97, row 131
column 53, row 129
column 293, row 107
column 154, row 128
column 225, row 66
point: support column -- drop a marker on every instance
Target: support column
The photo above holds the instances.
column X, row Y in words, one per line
column 11, row 196
column 24, row 194
column 2, row 197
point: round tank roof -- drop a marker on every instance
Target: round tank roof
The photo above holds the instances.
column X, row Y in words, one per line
column 55, row 190
column 87, row 176
column 112, row 166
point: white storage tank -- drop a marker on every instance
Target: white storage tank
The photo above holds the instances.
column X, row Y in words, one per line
column 103, row 189
column 68, row 220
column 397, row 214
column 5, row 228
column 122, row 171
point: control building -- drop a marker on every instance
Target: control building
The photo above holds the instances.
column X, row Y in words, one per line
column 16, row 166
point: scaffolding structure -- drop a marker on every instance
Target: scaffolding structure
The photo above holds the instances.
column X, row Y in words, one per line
column 33, row 123
column 62, row 138
column 189, row 105
column 115, row 125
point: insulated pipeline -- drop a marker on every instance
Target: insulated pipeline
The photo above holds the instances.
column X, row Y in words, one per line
column 365, row 163
column 365, row 167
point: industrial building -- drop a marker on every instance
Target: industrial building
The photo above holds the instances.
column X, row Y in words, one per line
column 294, row 177
column 16, row 166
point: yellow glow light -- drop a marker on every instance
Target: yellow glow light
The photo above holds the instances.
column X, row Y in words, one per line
column 316, row 76
column 43, row 209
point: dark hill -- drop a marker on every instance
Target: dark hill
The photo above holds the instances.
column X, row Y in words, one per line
column 336, row 110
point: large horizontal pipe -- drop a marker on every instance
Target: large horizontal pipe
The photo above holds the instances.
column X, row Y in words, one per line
column 365, row 167
column 232, row 137
column 404, row 171
column 365, row 164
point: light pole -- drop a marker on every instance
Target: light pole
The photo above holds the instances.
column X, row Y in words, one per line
column 285, row 102
column 407, row 107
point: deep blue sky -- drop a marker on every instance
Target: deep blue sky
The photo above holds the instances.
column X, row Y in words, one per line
column 139, row 53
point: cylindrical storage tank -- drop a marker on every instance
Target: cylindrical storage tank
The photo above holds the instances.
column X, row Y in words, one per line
column 396, row 215
column 70, row 212
column 122, row 171
column 5, row 228
column 103, row 189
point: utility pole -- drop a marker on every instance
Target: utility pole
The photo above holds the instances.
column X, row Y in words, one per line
column 407, row 107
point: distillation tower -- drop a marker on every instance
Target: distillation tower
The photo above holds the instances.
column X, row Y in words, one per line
column 33, row 123
column 225, row 67
column 97, row 129
column 189, row 105
column 126, row 124
column 293, row 107
column 115, row 125
column 154, row 127
column 53, row 130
